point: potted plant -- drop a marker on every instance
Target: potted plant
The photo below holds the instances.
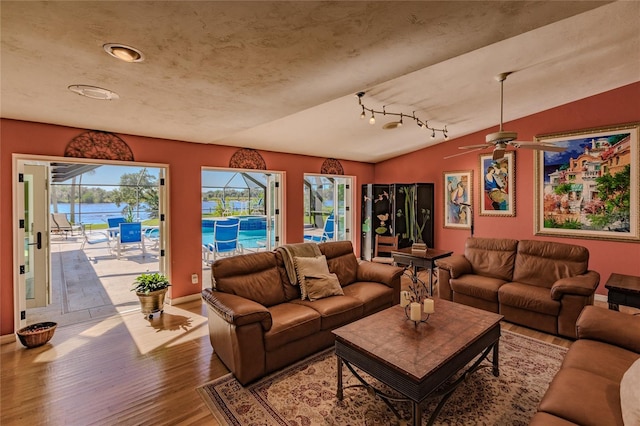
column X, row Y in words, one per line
column 151, row 289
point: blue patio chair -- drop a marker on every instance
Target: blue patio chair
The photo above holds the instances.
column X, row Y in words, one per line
column 225, row 240
column 327, row 232
column 130, row 234
column 114, row 225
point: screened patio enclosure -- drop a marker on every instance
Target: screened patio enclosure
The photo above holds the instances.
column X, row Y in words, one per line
column 226, row 193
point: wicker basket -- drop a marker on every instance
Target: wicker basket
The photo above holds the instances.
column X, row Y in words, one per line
column 37, row 334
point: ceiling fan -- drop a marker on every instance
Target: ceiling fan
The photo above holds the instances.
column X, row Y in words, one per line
column 501, row 139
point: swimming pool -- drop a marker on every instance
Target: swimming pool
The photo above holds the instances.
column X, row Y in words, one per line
column 248, row 239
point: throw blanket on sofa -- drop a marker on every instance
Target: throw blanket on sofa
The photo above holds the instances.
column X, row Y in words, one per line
column 289, row 251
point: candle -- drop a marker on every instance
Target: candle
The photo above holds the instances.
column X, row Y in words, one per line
column 416, row 315
column 404, row 298
column 429, row 306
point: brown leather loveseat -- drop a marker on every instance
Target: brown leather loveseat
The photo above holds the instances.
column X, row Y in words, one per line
column 598, row 381
column 539, row 284
column 258, row 322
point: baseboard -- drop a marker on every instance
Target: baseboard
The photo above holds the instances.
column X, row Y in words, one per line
column 184, row 299
column 600, row 298
column 7, row 338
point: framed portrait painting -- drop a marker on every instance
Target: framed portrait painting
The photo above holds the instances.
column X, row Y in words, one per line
column 458, row 199
column 497, row 185
column 591, row 189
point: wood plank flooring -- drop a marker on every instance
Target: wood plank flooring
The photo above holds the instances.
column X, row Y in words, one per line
column 122, row 370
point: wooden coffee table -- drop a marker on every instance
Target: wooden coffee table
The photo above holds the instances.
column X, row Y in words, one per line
column 417, row 360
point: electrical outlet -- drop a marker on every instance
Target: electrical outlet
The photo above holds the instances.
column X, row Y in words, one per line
column 194, row 278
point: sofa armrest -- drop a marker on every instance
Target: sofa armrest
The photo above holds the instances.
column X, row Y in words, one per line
column 613, row 327
column 580, row 285
column 379, row 272
column 456, row 264
column 237, row 310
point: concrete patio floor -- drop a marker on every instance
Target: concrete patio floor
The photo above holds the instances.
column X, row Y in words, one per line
column 91, row 283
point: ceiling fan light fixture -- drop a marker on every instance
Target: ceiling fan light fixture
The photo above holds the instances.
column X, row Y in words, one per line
column 501, row 137
column 123, row 52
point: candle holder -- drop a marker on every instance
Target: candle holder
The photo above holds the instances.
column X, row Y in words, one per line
column 416, row 302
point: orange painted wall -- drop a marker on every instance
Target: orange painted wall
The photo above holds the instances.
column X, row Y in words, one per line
column 615, row 107
column 185, row 161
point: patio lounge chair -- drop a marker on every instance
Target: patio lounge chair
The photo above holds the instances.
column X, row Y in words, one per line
column 225, row 240
column 60, row 224
column 327, row 232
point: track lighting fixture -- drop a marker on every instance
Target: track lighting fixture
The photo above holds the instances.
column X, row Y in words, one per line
column 394, row 124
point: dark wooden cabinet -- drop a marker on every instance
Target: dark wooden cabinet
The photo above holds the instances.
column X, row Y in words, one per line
column 404, row 209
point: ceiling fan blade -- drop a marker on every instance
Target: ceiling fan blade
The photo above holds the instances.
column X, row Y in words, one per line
column 463, row 153
column 539, row 146
column 478, row 146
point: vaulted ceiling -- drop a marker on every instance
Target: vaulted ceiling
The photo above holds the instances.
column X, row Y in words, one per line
column 282, row 76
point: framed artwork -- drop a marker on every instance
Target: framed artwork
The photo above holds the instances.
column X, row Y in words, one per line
column 497, row 186
column 590, row 190
column 458, row 199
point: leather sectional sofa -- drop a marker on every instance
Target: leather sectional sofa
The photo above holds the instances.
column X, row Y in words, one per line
column 598, row 381
column 258, row 322
column 539, row 284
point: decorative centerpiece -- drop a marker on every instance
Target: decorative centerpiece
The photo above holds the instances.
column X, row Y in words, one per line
column 37, row 334
column 151, row 290
column 416, row 302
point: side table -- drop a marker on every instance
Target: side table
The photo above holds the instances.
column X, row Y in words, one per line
column 623, row 290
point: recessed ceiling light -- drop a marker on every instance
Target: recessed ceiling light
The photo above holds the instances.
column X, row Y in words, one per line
column 93, row 92
column 124, row 52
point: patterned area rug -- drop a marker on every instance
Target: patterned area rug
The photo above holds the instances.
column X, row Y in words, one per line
column 304, row 393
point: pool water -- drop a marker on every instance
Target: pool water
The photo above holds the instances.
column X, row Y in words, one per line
column 248, row 238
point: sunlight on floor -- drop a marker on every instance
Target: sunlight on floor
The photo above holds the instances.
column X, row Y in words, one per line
column 174, row 327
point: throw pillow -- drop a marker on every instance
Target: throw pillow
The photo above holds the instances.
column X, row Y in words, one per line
column 630, row 395
column 311, row 266
column 324, row 285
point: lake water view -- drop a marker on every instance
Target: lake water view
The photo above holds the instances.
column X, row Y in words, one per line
column 96, row 213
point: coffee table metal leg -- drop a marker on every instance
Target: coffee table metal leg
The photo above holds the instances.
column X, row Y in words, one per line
column 496, row 367
column 416, row 414
column 339, row 393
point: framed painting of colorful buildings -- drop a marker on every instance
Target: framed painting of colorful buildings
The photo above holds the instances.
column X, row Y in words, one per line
column 497, row 187
column 591, row 189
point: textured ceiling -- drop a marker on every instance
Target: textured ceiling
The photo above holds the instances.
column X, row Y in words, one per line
column 282, row 76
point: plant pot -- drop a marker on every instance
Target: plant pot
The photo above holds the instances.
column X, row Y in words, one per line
column 152, row 302
column 37, row 334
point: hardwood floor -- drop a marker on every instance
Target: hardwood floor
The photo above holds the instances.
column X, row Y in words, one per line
column 119, row 370
column 123, row 370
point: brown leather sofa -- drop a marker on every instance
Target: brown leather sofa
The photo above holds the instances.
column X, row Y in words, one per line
column 539, row 284
column 586, row 390
column 258, row 322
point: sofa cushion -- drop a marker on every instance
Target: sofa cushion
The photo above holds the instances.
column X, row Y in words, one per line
column 322, row 285
column 341, row 260
column 290, row 322
column 600, row 358
column 309, row 266
column 630, row 395
column 491, row 257
column 478, row 286
column 373, row 296
column 583, row 398
column 254, row 276
column 335, row 310
column 542, row 263
column 528, row 297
